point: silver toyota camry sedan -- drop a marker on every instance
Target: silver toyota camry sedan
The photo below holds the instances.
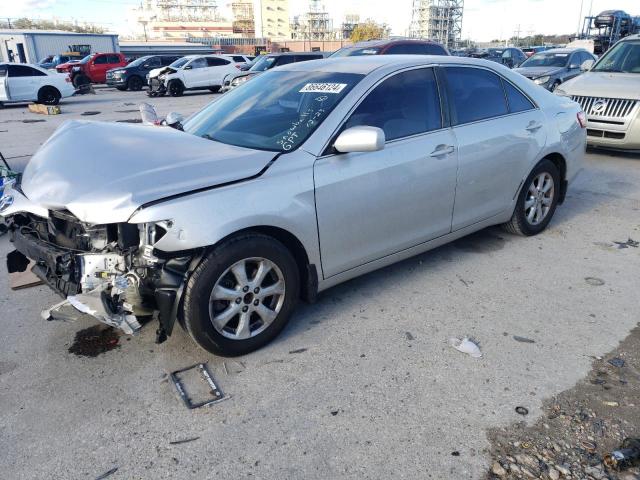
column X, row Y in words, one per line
column 304, row 177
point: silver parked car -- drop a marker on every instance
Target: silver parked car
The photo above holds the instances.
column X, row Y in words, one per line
column 307, row 176
column 552, row 67
column 610, row 95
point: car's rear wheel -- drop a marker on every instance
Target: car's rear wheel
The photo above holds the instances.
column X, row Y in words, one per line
column 135, row 83
column 241, row 295
column 175, row 88
column 49, row 96
column 537, row 200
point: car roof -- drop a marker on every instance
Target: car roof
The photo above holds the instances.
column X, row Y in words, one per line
column 631, row 37
column 368, row 63
column 283, row 54
column 381, row 43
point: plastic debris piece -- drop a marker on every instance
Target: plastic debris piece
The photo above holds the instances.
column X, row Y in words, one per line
column 522, row 410
column 628, row 455
column 523, row 339
column 466, row 345
column 611, row 404
column 107, row 474
column 629, row 243
column 186, row 440
column 616, row 362
column 594, row 281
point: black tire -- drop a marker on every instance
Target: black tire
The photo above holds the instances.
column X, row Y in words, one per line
column 49, row 96
column 519, row 223
column 135, row 83
column 196, row 315
column 80, row 81
column 215, row 89
column 121, row 88
column 175, row 88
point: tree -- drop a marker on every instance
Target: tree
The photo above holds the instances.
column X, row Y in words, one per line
column 29, row 24
column 368, row 30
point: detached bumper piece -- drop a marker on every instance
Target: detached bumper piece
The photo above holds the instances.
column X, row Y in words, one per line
column 98, row 304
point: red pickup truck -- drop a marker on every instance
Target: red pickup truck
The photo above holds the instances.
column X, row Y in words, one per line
column 92, row 68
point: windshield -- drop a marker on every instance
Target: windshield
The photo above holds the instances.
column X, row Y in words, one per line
column 276, row 111
column 86, row 59
column 494, row 52
column 352, row 52
column 546, row 59
column 623, row 57
column 139, row 61
column 180, row 62
column 264, row 63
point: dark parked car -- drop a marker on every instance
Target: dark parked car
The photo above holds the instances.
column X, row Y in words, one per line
column 267, row 62
column 132, row 76
column 553, row 67
column 508, row 56
column 392, row 47
column 609, row 18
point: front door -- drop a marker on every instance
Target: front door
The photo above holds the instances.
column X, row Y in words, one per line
column 373, row 204
column 499, row 132
column 195, row 73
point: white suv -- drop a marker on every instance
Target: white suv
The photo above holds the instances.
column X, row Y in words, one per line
column 193, row 72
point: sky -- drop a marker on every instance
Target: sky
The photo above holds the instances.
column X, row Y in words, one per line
column 483, row 20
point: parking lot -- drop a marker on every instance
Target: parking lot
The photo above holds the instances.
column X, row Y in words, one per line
column 361, row 384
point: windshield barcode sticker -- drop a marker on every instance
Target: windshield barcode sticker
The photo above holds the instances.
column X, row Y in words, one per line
column 323, row 88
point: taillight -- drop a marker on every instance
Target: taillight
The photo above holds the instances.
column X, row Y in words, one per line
column 582, row 119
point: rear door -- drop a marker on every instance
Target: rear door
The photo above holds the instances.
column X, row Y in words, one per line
column 217, row 69
column 4, row 91
column 499, row 132
column 373, row 204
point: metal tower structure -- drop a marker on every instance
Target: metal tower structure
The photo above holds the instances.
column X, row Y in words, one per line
column 439, row 20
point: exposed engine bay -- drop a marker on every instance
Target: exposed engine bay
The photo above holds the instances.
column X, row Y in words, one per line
column 158, row 81
column 108, row 271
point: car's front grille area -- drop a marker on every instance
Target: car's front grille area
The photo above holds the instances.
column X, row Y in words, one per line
column 591, row 132
column 605, row 107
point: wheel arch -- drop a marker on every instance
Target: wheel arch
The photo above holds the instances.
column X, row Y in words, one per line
column 308, row 271
column 46, row 86
column 561, row 164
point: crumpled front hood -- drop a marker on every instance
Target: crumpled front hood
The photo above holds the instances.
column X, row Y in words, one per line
column 605, row 85
column 102, row 172
column 535, row 72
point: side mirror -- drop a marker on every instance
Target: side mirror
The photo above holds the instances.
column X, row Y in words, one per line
column 360, row 139
column 573, row 66
column 188, row 67
column 586, row 65
column 174, row 120
column 147, row 66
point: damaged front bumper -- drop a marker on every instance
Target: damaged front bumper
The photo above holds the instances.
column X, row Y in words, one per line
column 122, row 283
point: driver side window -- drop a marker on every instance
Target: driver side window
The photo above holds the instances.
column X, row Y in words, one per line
column 405, row 104
column 199, row 63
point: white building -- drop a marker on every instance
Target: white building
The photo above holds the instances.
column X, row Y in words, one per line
column 31, row 46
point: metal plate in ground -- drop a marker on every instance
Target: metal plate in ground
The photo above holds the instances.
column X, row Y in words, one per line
column 196, row 386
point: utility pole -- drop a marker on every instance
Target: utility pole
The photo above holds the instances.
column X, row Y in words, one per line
column 580, row 18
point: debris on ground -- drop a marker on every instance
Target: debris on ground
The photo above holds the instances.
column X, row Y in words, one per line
column 466, row 345
column 298, row 350
column 90, row 112
column 95, row 340
column 130, row 120
column 44, row 109
column 629, row 243
column 578, row 436
column 107, row 474
column 33, row 120
column 523, row 339
column 594, row 281
column 186, row 440
column 522, row 410
column 628, row 455
column 616, row 362
column 196, row 386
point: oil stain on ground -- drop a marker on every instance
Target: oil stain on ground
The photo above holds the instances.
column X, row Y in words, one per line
column 95, row 340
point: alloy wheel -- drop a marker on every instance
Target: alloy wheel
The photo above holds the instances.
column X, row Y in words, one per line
column 247, row 298
column 539, row 198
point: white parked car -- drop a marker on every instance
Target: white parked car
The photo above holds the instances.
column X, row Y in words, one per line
column 193, row 72
column 21, row 82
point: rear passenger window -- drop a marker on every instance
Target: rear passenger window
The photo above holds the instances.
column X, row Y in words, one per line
column 238, row 58
column 517, row 101
column 474, row 94
column 405, row 104
column 217, row 62
column 284, row 59
column 24, row 71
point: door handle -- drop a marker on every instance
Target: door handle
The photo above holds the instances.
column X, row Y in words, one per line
column 533, row 126
column 442, row 150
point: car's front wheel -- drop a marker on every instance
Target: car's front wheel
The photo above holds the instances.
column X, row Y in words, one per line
column 241, row 295
column 175, row 88
column 537, row 200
